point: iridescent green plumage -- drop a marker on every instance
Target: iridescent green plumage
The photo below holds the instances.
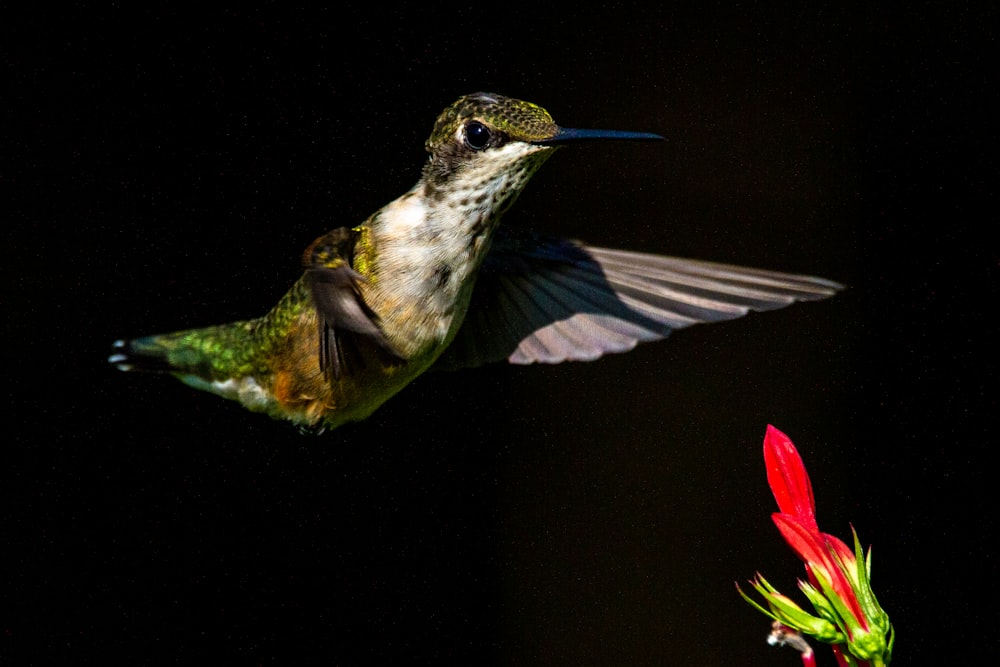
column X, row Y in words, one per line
column 223, row 351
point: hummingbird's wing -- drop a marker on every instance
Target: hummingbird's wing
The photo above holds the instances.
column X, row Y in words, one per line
column 341, row 312
column 549, row 300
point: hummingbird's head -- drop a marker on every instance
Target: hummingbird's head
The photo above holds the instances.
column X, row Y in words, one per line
column 485, row 120
column 482, row 137
column 488, row 146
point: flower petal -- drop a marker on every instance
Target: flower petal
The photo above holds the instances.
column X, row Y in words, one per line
column 786, row 474
column 808, row 544
column 822, row 561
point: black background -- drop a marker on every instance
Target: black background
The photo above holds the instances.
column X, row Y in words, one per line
column 164, row 169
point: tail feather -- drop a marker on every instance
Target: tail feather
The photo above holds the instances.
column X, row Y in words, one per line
column 206, row 353
column 140, row 354
column 213, row 359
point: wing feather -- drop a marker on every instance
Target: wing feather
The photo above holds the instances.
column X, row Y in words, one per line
column 547, row 300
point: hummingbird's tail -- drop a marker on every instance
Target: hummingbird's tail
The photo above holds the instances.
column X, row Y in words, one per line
column 194, row 355
column 140, row 354
column 217, row 359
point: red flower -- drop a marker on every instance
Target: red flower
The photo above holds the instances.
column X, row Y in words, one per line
column 848, row 615
column 786, row 474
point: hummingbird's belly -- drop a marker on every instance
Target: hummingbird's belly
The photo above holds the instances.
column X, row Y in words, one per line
column 293, row 386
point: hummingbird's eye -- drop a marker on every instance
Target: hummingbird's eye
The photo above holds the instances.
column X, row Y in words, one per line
column 477, row 135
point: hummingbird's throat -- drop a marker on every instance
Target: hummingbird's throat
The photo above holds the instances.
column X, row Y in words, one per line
column 476, row 196
column 432, row 241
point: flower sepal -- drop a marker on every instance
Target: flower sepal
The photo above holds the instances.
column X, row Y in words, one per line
column 866, row 596
column 784, row 610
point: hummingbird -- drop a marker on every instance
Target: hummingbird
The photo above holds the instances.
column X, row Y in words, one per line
column 432, row 280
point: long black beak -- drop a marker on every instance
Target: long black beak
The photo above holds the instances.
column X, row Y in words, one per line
column 566, row 135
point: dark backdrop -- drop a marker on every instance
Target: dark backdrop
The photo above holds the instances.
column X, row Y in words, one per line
column 165, row 169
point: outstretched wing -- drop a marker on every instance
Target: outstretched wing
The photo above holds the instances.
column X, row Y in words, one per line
column 549, row 300
column 341, row 312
